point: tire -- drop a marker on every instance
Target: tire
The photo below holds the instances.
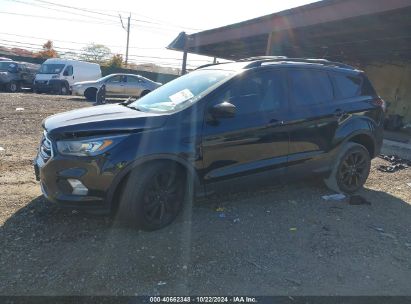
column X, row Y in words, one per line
column 13, row 87
column 90, row 94
column 351, row 169
column 64, row 90
column 145, row 92
column 153, row 196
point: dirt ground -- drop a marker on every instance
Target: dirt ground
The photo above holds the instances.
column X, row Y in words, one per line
column 276, row 241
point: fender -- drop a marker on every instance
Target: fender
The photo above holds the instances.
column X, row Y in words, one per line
column 354, row 127
column 131, row 166
column 56, row 83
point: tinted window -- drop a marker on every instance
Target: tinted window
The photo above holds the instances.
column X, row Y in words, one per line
column 68, row 71
column 309, row 87
column 116, row 79
column 260, row 92
column 132, row 79
column 347, row 86
column 367, row 88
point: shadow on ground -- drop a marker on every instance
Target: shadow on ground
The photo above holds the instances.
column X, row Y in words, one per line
column 282, row 240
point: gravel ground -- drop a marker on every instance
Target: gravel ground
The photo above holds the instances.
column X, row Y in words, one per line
column 276, row 241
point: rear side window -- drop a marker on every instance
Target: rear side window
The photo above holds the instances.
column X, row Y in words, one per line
column 367, row 88
column 347, row 86
column 309, row 87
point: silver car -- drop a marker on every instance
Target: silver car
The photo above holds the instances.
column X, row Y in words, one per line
column 117, row 85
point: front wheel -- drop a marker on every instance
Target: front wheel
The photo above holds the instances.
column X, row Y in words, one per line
column 153, row 195
column 64, row 90
column 351, row 169
column 13, row 87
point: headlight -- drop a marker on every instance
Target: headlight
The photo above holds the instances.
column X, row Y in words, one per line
column 88, row 147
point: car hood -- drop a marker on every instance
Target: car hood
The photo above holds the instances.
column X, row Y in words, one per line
column 105, row 119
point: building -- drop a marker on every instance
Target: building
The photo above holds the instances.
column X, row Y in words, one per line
column 374, row 35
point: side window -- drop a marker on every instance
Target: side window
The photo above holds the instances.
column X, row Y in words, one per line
column 68, row 71
column 115, row 79
column 347, row 86
column 132, row 79
column 309, row 87
column 259, row 92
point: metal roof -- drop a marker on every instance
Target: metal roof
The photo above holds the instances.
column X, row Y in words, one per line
column 343, row 30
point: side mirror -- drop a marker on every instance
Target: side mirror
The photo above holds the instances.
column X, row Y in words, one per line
column 223, row 110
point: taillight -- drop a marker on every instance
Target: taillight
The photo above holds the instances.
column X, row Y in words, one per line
column 380, row 103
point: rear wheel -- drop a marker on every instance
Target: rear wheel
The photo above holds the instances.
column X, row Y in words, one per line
column 13, row 87
column 145, row 92
column 153, row 195
column 351, row 169
column 90, row 94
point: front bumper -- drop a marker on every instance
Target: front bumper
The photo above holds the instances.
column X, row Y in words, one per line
column 78, row 91
column 55, row 173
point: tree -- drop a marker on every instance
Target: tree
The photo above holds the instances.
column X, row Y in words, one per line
column 116, row 61
column 97, row 53
column 48, row 51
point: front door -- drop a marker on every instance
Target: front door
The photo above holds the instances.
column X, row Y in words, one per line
column 252, row 145
column 68, row 74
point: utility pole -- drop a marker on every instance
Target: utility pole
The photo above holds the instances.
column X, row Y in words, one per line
column 128, row 35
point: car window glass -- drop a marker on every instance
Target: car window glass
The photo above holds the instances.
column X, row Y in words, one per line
column 259, row 92
column 115, row 79
column 309, row 87
column 68, row 71
column 347, row 85
column 132, row 79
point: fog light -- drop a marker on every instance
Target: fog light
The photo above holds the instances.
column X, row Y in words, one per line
column 78, row 187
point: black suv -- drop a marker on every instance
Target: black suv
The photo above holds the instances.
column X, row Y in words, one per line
column 224, row 126
column 15, row 75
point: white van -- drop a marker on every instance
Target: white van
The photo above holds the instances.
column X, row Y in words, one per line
column 58, row 75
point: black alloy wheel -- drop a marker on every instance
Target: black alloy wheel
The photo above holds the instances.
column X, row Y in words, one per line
column 162, row 197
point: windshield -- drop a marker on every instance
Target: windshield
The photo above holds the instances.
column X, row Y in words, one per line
column 7, row 65
column 181, row 92
column 51, row 68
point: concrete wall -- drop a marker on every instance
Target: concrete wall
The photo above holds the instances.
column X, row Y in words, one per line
column 393, row 84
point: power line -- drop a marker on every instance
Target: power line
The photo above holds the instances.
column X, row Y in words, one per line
column 76, row 42
column 58, row 10
column 107, row 15
column 55, row 18
column 10, row 43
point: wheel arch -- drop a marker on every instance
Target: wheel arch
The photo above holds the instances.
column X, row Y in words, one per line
column 119, row 181
column 360, row 131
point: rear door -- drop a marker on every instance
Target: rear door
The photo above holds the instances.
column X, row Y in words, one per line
column 133, row 86
column 312, row 121
column 115, row 85
column 252, row 146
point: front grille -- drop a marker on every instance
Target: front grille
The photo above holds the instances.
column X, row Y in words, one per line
column 46, row 148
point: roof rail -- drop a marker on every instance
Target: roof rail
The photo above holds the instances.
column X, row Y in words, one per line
column 258, row 61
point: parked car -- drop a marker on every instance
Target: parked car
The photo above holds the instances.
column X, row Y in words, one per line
column 15, row 75
column 117, row 85
column 223, row 127
column 58, row 75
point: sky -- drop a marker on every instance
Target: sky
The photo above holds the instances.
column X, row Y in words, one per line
column 72, row 24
